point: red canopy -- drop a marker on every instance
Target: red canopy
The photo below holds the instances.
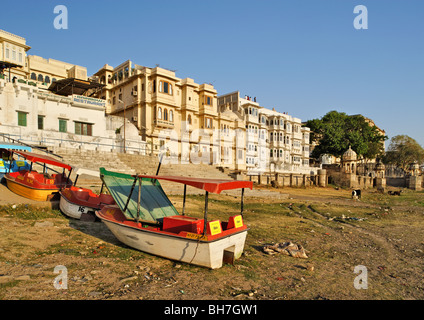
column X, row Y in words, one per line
column 210, row 185
column 33, row 157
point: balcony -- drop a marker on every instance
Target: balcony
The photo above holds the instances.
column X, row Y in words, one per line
column 163, row 123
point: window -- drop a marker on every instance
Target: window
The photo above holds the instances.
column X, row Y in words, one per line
column 7, row 53
column 47, row 79
column 85, row 129
column 208, row 101
column 33, row 76
column 208, row 122
column 270, row 153
column 40, row 78
column 13, row 54
column 171, row 116
column 63, row 125
column 165, row 87
column 20, row 57
column 40, row 122
column 189, row 119
column 240, row 154
column 165, row 114
column 22, row 119
column 159, row 113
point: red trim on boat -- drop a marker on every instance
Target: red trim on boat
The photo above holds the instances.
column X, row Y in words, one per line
column 33, row 157
column 210, row 185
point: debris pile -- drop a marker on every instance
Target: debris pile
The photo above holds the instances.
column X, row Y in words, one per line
column 287, row 248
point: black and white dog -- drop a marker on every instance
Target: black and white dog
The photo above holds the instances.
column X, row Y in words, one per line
column 356, row 194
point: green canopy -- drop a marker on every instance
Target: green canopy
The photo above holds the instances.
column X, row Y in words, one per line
column 154, row 204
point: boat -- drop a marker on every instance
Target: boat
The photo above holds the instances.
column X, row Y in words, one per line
column 39, row 186
column 82, row 203
column 7, row 162
column 145, row 219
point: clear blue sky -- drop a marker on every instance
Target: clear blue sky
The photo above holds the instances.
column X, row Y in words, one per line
column 301, row 57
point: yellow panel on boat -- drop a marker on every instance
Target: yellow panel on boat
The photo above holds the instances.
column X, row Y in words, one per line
column 238, row 221
column 20, row 163
column 215, row 227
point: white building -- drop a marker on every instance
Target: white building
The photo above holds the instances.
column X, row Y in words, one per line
column 275, row 142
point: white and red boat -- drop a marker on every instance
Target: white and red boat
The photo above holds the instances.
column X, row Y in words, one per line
column 145, row 219
column 82, row 203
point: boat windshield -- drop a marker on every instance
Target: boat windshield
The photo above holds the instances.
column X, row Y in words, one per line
column 154, row 204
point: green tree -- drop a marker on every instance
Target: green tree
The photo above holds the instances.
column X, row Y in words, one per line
column 402, row 151
column 336, row 131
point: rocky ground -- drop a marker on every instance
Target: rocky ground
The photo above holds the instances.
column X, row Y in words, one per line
column 379, row 237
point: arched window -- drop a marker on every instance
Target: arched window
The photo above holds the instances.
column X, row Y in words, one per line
column 189, row 119
column 159, row 113
column 171, row 116
column 47, row 79
column 165, row 114
column 40, row 78
column 33, row 76
column 54, row 80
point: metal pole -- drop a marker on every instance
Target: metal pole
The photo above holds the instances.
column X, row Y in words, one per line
column 184, row 199
column 206, row 213
column 129, row 196
column 139, row 199
column 242, row 197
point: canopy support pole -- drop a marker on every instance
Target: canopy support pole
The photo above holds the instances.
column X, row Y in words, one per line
column 139, row 199
column 129, row 196
column 101, row 189
column 206, row 213
column 242, row 200
column 184, row 199
column 76, row 179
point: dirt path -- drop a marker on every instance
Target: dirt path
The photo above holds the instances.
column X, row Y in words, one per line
column 383, row 234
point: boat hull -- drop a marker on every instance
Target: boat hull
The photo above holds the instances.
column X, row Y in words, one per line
column 210, row 254
column 28, row 192
column 75, row 211
column 34, row 185
column 78, row 202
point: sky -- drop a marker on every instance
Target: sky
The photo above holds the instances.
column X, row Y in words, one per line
column 303, row 57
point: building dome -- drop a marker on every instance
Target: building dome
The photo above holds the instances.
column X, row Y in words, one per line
column 350, row 155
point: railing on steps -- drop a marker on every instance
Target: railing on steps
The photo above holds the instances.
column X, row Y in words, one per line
column 5, row 136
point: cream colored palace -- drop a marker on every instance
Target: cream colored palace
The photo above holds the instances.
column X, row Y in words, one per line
column 54, row 102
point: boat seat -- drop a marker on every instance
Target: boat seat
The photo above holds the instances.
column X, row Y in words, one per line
column 82, row 195
column 106, row 199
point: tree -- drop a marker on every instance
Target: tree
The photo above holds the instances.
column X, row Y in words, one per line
column 336, row 131
column 402, row 151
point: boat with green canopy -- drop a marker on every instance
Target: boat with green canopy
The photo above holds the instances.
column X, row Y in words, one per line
column 145, row 219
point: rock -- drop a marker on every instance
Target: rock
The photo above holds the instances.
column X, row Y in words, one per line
column 129, row 279
column 287, row 248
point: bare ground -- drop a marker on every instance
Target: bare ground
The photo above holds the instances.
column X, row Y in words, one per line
column 380, row 232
